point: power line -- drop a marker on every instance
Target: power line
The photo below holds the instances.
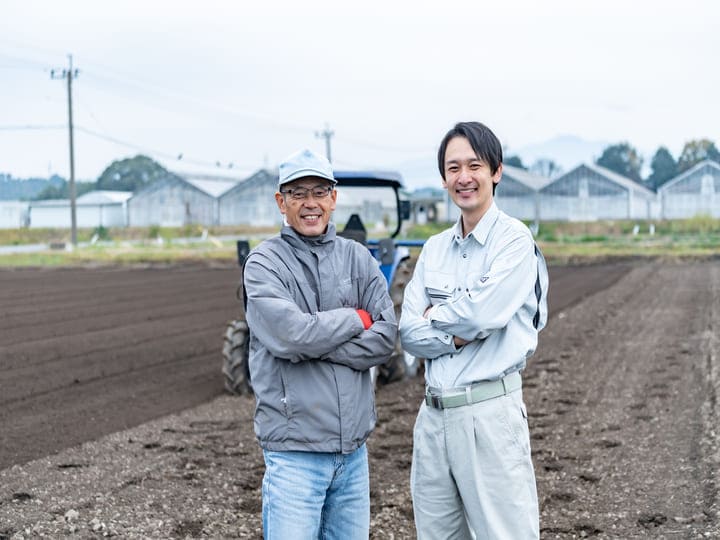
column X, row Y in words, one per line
column 116, row 78
column 112, row 80
column 145, row 150
column 106, row 79
column 109, row 138
column 31, row 127
column 26, row 62
column 209, row 105
column 389, row 148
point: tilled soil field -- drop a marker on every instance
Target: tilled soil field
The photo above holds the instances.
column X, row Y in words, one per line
column 87, row 352
column 622, row 398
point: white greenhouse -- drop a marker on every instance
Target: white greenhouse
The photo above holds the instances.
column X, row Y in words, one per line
column 251, row 202
column 518, row 193
column 175, row 201
column 692, row 193
column 590, row 192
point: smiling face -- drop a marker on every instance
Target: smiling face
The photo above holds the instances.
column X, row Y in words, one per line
column 469, row 181
column 309, row 216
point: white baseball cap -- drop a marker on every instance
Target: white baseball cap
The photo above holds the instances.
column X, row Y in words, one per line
column 305, row 163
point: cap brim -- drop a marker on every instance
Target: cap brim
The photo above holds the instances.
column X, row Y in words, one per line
column 302, row 173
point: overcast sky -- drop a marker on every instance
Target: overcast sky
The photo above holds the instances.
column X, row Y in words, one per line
column 246, row 83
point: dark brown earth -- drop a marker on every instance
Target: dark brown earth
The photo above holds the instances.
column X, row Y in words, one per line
column 622, row 397
column 87, row 352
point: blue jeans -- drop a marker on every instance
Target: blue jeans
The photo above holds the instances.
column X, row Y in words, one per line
column 316, row 495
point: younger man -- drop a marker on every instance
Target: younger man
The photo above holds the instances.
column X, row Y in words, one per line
column 473, row 309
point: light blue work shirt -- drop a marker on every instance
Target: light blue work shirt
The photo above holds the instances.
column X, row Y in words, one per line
column 489, row 288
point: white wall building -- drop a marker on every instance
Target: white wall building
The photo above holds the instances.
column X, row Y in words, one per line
column 692, row 193
column 14, row 214
column 93, row 209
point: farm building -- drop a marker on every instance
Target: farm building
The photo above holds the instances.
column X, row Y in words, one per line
column 14, row 214
column 251, row 202
column 590, row 192
column 694, row 192
column 93, row 209
column 175, row 201
column 518, row 193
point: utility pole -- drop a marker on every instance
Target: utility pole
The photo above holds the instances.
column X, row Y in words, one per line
column 326, row 134
column 70, row 74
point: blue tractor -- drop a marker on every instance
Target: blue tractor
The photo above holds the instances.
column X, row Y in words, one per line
column 369, row 204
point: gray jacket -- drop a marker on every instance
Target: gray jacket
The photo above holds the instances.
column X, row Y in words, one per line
column 309, row 353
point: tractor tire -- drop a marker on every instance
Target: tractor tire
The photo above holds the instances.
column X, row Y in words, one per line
column 402, row 277
column 236, row 348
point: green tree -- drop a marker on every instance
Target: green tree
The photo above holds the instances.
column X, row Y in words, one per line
column 622, row 159
column 545, row 167
column 696, row 151
column 664, row 167
column 25, row 189
column 131, row 174
column 61, row 190
column 514, row 161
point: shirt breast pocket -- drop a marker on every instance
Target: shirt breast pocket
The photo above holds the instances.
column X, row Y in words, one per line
column 439, row 286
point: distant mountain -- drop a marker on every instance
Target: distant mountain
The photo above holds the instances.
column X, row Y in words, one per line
column 567, row 151
column 24, row 189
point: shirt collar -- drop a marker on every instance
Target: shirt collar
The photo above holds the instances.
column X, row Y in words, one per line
column 482, row 229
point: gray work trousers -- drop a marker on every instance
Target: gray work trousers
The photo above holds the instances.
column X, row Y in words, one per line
column 472, row 475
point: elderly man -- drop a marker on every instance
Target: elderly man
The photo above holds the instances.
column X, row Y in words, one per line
column 320, row 317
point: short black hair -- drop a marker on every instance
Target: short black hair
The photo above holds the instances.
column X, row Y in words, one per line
column 482, row 140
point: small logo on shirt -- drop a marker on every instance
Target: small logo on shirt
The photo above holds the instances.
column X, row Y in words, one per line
column 484, row 279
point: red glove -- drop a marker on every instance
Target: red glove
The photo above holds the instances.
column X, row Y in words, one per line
column 365, row 318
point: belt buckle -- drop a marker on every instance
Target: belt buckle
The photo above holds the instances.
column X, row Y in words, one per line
column 436, row 401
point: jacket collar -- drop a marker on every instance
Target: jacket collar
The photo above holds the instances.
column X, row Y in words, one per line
column 292, row 237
